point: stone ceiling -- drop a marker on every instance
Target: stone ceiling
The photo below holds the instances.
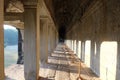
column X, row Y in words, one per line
column 64, row 12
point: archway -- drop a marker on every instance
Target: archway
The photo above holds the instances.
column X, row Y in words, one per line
column 13, row 50
column 10, row 45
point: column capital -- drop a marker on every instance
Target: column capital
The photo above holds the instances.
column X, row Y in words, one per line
column 30, row 2
column 30, row 6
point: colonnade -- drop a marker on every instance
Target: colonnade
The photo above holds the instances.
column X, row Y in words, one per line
column 40, row 39
column 97, row 38
column 48, row 38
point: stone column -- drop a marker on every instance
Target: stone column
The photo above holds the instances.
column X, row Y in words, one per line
column 118, row 62
column 77, row 47
column 72, row 44
column 53, row 37
column 49, row 37
column 92, row 61
column 57, row 39
column 31, row 43
column 47, row 40
column 42, row 56
column 83, row 51
column 20, row 48
column 44, row 39
column 97, row 61
column 2, row 76
column 22, row 33
column 52, row 40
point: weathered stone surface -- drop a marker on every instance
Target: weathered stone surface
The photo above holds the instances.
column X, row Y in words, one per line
column 59, row 67
column 20, row 48
column 1, row 40
column 97, row 21
column 15, row 6
column 31, row 41
column 43, row 39
column 99, row 25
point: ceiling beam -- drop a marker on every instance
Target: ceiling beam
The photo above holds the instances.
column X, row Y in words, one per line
column 30, row 2
column 16, row 24
column 13, row 16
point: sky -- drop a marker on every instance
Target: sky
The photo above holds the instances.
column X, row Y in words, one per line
column 9, row 27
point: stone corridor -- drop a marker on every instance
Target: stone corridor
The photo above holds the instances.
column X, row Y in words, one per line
column 90, row 28
column 62, row 64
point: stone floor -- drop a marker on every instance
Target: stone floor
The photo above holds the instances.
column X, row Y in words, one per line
column 62, row 65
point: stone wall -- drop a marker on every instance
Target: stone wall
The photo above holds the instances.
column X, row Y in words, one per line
column 2, row 75
column 100, row 24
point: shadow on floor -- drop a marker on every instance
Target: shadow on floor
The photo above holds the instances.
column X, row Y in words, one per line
column 7, row 78
column 41, row 78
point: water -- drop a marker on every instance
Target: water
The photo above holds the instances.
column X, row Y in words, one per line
column 10, row 55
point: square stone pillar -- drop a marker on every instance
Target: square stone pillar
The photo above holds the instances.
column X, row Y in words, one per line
column 31, row 44
column 2, row 76
column 51, row 34
column 46, row 33
column 83, row 51
column 56, row 38
column 92, row 55
column 44, row 39
column 49, row 38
